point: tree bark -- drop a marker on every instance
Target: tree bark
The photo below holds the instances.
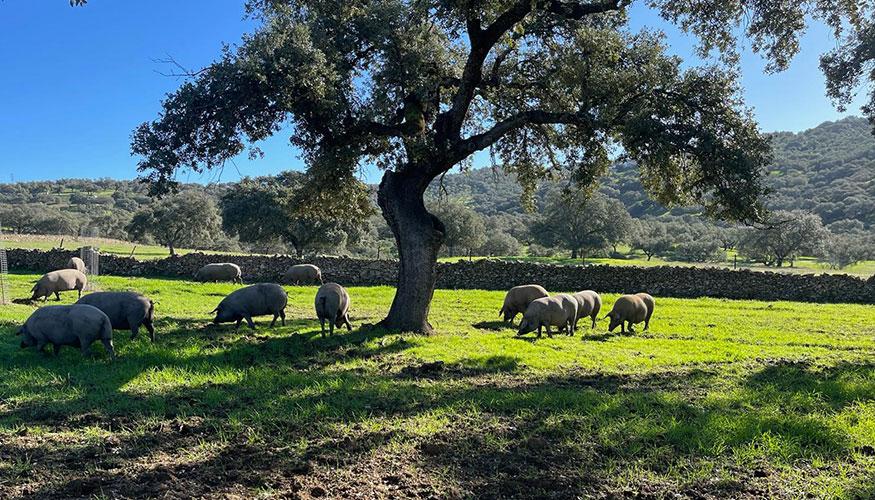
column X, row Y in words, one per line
column 172, row 252
column 419, row 236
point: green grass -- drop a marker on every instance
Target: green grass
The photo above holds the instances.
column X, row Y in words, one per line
column 720, row 399
column 110, row 246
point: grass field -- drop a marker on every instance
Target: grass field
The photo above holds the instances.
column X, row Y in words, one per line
column 106, row 245
column 720, row 399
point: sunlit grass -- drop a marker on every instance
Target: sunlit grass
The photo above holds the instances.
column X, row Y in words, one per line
column 716, row 390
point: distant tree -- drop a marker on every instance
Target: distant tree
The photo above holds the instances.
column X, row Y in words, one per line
column 699, row 250
column 788, row 235
column 847, row 226
column 843, row 250
column 581, row 224
column 263, row 210
column 186, row 219
column 729, row 237
column 500, row 243
column 464, row 227
column 650, row 236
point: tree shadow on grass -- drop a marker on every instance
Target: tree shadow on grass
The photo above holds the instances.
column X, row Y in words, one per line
column 451, row 432
column 494, row 325
column 604, row 337
column 562, row 437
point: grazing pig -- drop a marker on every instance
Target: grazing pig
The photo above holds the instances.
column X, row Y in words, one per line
column 224, row 271
column 651, row 304
column 629, row 309
column 77, row 325
column 332, row 304
column 303, row 273
column 255, row 300
column 126, row 310
column 518, row 299
column 77, row 264
column 559, row 310
column 58, row 281
column 589, row 303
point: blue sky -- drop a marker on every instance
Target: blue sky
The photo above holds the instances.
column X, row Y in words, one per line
column 76, row 81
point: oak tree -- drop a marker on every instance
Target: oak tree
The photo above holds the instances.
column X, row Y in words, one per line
column 549, row 87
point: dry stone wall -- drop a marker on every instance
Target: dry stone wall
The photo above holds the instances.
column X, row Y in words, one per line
column 667, row 281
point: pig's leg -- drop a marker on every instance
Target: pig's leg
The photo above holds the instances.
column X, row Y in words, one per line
column 134, row 330
column 41, row 346
column 283, row 317
column 322, row 322
column 239, row 320
column 108, row 344
column 57, row 297
column 346, row 320
column 151, row 330
column 249, row 321
column 57, row 349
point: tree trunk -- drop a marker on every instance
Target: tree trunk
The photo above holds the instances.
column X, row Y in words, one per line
column 172, row 252
column 419, row 236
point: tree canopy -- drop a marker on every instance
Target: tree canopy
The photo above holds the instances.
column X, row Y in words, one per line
column 551, row 87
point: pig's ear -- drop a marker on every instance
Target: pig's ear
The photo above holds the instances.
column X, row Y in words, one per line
column 18, row 330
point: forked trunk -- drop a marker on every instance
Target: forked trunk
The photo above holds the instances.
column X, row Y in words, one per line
column 419, row 236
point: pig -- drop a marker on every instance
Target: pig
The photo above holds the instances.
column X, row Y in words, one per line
column 77, row 264
column 302, row 273
column 518, row 299
column 254, row 300
column 651, row 304
column 77, row 325
column 126, row 310
column 61, row 280
column 224, row 271
column 589, row 303
column 332, row 304
column 629, row 309
column 558, row 310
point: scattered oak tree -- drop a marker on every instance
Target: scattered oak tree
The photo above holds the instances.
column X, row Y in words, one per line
column 549, row 86
column 843, row 250
column 651, row 237
column 788, row 235
column 464, row 228
column 187, row 219
column 263, row 210
column 580, row 224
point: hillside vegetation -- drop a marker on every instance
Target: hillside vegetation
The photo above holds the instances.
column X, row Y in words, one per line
column 828, row 170
column 822, row 177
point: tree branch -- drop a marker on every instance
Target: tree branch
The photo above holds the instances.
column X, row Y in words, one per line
column 502, row 128
column 482, row 41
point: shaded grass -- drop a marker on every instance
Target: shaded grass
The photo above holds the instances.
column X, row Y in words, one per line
column 732, row 399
